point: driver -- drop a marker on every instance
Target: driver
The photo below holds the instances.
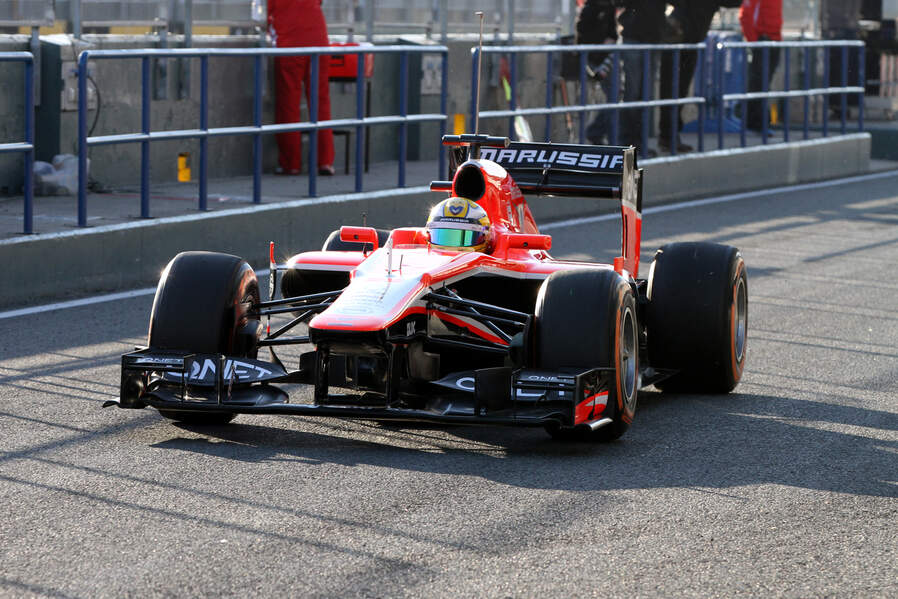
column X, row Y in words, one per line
column 459, row 224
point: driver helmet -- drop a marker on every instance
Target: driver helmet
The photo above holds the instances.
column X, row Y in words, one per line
column 459, row 224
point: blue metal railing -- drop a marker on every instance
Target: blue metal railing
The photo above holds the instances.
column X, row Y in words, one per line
column 710, row 92
column 615, row 104
column 809, row 47
column 257, row 129
column 25, row 147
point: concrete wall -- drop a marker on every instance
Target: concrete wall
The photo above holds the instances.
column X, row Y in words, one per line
column 126, row 256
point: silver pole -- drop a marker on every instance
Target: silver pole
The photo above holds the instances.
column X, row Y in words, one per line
column 75, row 16
column 369, row 20
column 510, row 17
column 444, row 21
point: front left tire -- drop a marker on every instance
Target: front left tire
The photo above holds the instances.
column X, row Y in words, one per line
column 203, row 304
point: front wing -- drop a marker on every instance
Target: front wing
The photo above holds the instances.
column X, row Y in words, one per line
column 499, row 396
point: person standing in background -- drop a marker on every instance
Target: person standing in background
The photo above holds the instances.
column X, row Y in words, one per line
column 839, row 20
column 300, row 23
column 761, row 20
column 642, row 22
column 596, row 24
column 691, row 20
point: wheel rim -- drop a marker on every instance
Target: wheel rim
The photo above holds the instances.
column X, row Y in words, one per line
column 741, row 320
column 627, row 366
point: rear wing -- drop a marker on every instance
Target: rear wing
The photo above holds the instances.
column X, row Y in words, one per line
column 567, row 170
column 559, row 169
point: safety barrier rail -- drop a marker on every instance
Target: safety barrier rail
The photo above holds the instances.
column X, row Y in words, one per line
column 25, row 147
column 709, row 90
column 807, row 91
column 257, row 129
column 615, row 50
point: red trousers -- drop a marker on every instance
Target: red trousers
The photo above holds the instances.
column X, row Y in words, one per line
column 292, row 74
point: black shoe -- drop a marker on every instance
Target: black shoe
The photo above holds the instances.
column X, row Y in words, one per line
column 327, row 170
column 664, row 146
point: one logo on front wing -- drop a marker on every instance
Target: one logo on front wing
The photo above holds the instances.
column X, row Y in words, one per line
column 206, row 371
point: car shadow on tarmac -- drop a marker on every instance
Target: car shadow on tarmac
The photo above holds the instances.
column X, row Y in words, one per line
column 704, row 442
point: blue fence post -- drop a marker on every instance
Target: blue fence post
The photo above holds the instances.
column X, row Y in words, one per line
column 581, row 131
column 717, row 89
column 861, row 68
column 844, row 80
column 513, row 101
column 674, row 131
column 826, row 96
column 29, row 154
column 787, row 87
column 444, row 90
column 313, row 133
column 403, row 111
column 744, row 103
column 765, row 87
column 145, row 143
column 646, row 66
column 615, row 96
column 82, row 139
column 701, row 90
column 550, row 89
column 474, row 108
column 204, row 141
column 806, row 124
column 360, row 130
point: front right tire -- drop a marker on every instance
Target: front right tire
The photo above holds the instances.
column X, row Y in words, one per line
column 587, row 319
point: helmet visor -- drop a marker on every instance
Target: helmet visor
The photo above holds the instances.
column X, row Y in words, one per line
column 457, row 237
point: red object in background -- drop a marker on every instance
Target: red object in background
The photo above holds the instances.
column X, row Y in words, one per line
column 345, row 67
column 300, row 23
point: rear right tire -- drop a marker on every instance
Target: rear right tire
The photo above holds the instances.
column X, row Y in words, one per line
column 697, row 316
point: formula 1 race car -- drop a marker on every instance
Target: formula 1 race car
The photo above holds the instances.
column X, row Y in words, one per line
column 466, row 320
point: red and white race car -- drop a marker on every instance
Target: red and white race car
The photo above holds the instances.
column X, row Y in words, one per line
column 466, row 320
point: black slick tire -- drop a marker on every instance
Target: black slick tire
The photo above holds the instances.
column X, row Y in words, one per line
column 697, row 316
column 587, row 319
column 201, row 306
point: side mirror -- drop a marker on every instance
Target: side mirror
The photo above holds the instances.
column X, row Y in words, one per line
column 529, row 242
column 359, row 235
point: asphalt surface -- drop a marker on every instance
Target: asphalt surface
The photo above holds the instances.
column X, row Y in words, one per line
column 786, row 487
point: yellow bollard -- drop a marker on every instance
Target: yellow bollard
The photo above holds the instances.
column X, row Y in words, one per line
column 184, row 167
column 458, row 124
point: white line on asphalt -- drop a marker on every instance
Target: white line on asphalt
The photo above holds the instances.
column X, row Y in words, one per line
column 89, row 301
column 573, row 222
column 111, row 297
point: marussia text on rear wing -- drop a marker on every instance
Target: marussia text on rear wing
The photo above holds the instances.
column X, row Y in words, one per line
column 562, row 169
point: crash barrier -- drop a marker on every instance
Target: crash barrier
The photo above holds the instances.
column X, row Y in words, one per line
column 808, row 50
column 25, row 147
column 712, row 95
column 257, row 129
column 615, row 51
